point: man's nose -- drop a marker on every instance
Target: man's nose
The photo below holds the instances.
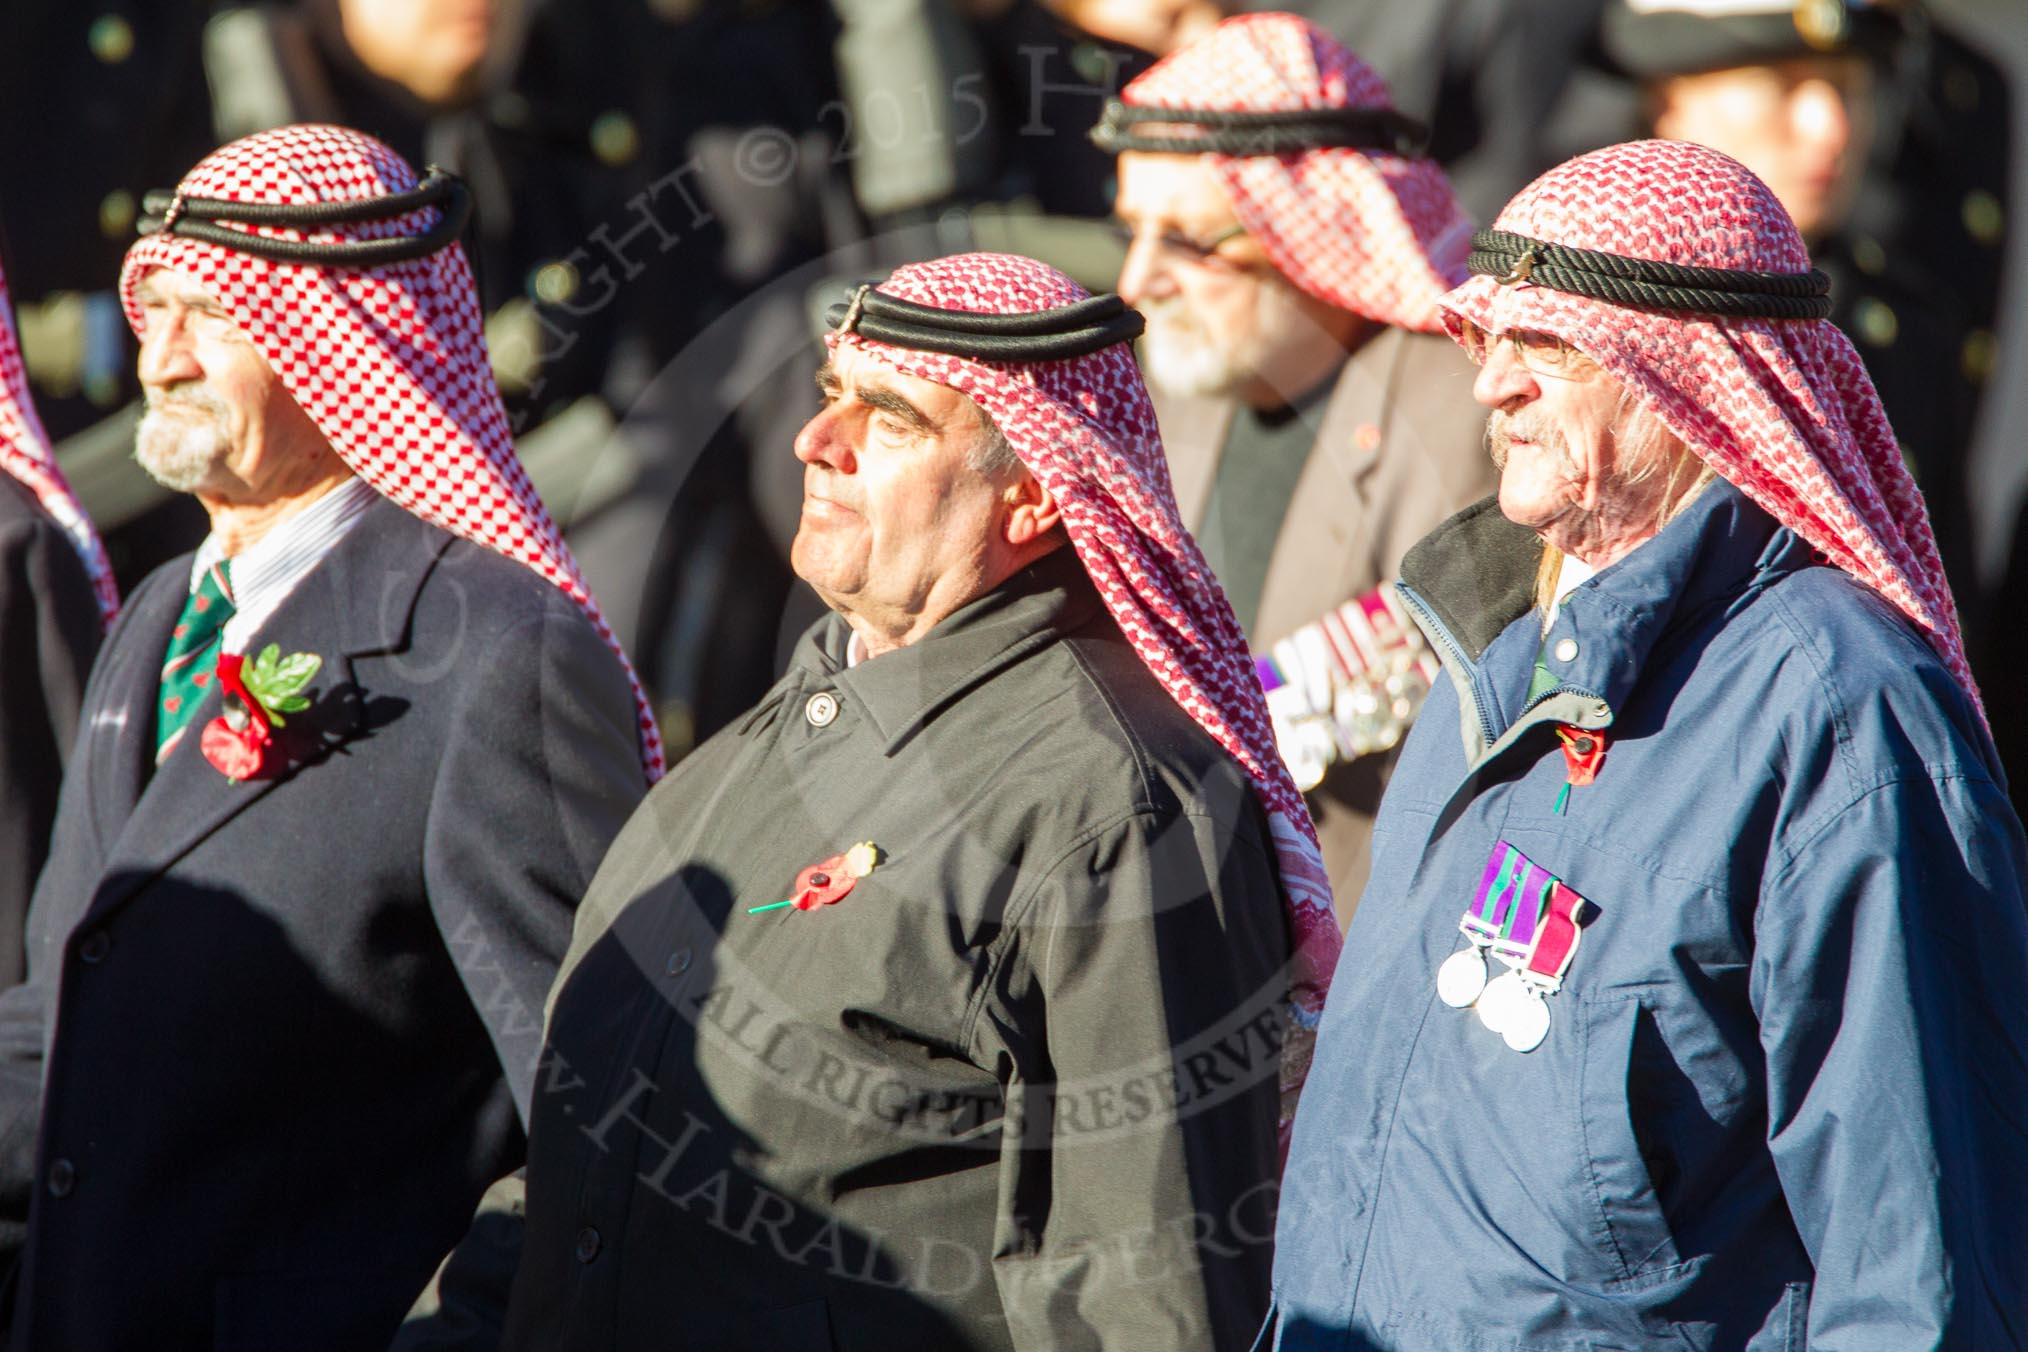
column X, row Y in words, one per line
column 1144, row 273
column 167, row 356
column 823, row 441
column 1503, row 380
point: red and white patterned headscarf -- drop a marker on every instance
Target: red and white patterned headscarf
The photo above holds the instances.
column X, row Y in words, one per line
column 1782, row 408
column 1366, row 230
column 389, row 361
column 1086, row 431
column 25, row 454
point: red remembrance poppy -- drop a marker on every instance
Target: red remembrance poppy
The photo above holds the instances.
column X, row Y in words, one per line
column 829, row 880
column 823, row 883
column 238, row 741
column 240, row 755
column 1584, row 752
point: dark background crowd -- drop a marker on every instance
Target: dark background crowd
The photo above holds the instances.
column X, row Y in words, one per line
column 669, row 190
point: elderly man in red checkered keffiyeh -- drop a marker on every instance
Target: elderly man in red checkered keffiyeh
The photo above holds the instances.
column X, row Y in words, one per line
column 388, row 361
column 1685, row 1004
column 343, row 775
column 1290, row 241
column 1084, row 429
column 1015, row 926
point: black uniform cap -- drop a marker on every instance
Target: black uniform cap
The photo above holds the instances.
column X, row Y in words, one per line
column 1648, row 39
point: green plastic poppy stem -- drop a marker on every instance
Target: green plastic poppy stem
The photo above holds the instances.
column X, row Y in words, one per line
column 1562, row 797
column 771, row 906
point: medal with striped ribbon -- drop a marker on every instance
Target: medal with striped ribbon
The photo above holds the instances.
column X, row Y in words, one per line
column 1525, row 917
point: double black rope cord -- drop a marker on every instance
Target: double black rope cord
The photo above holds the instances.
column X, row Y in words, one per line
column 1259, row 133
column 1647, row 284
column 1068, row 331
column 208, row 219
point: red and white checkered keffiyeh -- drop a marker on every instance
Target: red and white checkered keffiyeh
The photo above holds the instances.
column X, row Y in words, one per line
column 1086, row 431
column 389, row 362
column 25, row 454
column 1782, row 408
column 1366, row 230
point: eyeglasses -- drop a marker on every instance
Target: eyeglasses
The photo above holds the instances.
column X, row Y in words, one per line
column 1543, row 354
column 1203, row 252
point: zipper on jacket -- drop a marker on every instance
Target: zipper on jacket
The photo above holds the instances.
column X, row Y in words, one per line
column 1450, row 651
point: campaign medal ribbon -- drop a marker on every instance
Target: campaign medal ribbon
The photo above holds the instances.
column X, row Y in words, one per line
column 827, row 881
column 1495, row 914
column 1528, row 919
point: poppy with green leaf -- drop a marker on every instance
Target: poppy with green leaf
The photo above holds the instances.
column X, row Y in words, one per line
column 241, row 741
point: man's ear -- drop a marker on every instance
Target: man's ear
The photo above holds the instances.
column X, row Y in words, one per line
column 1032, row 511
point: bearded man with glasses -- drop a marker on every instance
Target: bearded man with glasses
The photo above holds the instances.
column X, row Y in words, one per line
column 1287, row 245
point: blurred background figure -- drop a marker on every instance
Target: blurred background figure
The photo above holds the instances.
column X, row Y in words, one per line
column 56, row 596
column 1316, row 421
column 1784, row 91
column 1508, row 87
column 970, row 118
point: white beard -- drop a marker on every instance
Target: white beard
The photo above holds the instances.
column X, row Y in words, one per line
column 1181, row 356
column 180, row 452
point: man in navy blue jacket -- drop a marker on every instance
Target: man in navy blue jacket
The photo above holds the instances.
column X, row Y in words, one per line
column 341, row 780
column 1688, row 1003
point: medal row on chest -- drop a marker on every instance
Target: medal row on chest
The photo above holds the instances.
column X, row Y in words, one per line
column 1529, row 922
column 1346, row 685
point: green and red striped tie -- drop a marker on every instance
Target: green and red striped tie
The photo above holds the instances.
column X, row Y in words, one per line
column 192, row 663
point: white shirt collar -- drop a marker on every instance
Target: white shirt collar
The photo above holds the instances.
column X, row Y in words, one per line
column 265, row 572
column 1574, row 574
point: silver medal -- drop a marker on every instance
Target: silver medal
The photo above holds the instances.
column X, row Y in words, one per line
column 1462, row 977
column 1527, row 1023
column 1498, row 1001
